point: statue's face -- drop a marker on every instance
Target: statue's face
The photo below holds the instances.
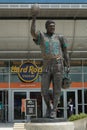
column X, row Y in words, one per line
column 51, row 28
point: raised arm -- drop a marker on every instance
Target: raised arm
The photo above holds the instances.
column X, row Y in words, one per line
column 34, row 12
column 33, row 28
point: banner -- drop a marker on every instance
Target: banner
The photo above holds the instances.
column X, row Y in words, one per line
column 31, row 107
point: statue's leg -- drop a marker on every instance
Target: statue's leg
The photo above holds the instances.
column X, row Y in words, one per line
column 57, row 83
column 45, row 83
column 57, row 89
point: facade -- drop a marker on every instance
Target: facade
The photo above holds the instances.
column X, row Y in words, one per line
column 13, row 91
column 18, row 52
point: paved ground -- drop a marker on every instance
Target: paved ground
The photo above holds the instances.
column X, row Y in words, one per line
column 6, row 126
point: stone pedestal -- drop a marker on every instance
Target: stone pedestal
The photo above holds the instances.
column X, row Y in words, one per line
column 49, row 124
column 47, row 120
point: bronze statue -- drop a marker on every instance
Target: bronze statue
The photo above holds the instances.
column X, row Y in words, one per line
column 54, row 52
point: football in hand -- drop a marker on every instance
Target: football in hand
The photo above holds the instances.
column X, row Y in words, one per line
column 35, row 9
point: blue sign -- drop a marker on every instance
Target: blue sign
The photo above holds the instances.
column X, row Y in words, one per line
column 42, row 1
column 28, row 72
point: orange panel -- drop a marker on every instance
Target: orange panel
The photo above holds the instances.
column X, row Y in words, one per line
column 37, row 85
column 26, row 85
column 4, row 85
column 76, row 85
column 85, row 84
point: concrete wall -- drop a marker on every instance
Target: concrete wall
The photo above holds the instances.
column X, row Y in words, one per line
column 50, row 126
column 80, row 124
column 75, row 125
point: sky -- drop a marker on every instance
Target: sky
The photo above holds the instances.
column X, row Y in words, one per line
column 42, row 1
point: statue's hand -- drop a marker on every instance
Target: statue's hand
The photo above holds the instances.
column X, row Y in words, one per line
column 68, row 69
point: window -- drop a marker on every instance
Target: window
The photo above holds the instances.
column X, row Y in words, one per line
column 4, row 66
column 85, row 96
column 85, row 108
column 79, row 96
column 85, row 66
column 15, row 78
column 85, row 77
column 76, row 77
column 4, row 78
column 76, row 66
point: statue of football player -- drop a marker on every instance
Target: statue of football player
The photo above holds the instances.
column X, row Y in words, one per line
column 54, row 52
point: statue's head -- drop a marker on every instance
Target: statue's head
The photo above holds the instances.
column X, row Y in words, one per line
column 50, row 26
column 48, row 22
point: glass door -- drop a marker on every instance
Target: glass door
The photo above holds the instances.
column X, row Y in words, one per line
column 3, row 106
column 19, row 105
column 38, row 97
column 60, row 110
column 60, row 107
column 71, row 102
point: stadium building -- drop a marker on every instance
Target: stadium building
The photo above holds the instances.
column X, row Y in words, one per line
column 18, row 53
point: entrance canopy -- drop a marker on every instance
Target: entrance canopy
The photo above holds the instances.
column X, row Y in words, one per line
column 15, row 21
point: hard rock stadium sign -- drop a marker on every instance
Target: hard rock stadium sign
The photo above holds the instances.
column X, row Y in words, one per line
column 27, row 71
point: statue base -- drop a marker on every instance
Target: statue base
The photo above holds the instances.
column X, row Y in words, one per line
column 49, row 124
column 47, row 120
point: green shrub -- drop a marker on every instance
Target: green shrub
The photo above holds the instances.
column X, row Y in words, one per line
column 77, row 116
